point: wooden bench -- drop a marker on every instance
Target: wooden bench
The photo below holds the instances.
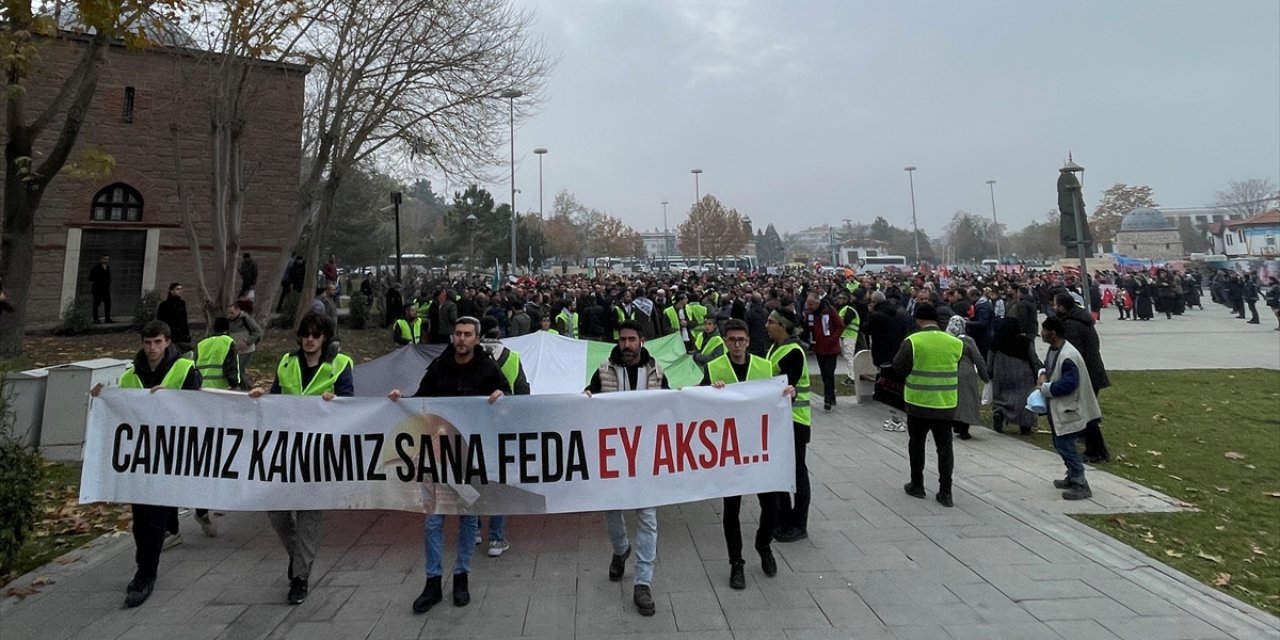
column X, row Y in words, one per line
column 864, row 376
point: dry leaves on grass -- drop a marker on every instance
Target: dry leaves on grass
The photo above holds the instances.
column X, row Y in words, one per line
column 1232, row 455
column 1222, row 580
column 1204, row 556
column 1173, row 554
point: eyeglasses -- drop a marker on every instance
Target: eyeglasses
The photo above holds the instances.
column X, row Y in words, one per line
column 735, row 339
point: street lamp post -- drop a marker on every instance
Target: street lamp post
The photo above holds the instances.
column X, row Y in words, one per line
column 395, row 201
column 471, row 258
column 1072, row 167
column 697, row 225
column 915, row 229
column 511, row 95
column 666, row 251
column 541, row 152
column 994, row 222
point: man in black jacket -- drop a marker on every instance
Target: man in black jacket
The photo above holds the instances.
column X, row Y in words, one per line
column 100, row 287
column 1080, row 332
column 463, row 369
column 884, row 329
column 173, row 312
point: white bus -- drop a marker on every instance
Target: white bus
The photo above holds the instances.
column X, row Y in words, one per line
column 877, row 264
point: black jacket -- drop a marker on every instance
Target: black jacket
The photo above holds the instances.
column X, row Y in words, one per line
column 445, row 378
column 153, row 377
column 173, row 312
column 1081, row 334
column 884, row 329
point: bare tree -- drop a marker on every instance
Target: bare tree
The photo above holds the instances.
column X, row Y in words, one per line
column 1247, row 198
column 717, row 230
column 407, row 83
column 38, row 148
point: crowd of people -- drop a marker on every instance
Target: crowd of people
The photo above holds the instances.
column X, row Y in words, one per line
column 932, row 337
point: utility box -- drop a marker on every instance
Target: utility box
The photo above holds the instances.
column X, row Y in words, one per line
column 66, row 404
column 24, row 400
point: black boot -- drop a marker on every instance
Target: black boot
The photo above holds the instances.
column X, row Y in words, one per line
column 997, row 423
column 430, row 597
column 461, row 596
column 737, row 577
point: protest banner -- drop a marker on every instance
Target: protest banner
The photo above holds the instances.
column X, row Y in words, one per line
column 525, row 454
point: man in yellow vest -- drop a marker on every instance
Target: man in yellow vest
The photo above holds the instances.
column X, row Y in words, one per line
column 158, row 365
column 567, row 319
column 216, row 358
column 788, row 358
column 708, row 345
column 315, row 369
column 408, row 330
column 929, row 360
column 739, row 366
column 848, row 337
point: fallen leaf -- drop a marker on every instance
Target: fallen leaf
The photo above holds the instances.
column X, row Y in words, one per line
column 1174, row 477
column 1258, row 550
column 1249, row 466
column 1222, row 580
column 1173, row 554
column 1232, row 455
column 1223, row 489
column 1220, row 528
column 1132, row 445
column 1154, row 453
column 1204, row 556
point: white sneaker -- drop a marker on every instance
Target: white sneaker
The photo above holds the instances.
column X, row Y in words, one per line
column 479, row 539
column 496, row 547
column 171, row 540
column 207, row 524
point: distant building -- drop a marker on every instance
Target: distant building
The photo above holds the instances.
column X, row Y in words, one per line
column 659, row 243
column 149, row 104
column 1147, row 234
column 1256, row 236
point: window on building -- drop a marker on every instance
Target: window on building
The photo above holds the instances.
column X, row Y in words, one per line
column 118, row 202
column 1271, row 240
column 128, row 105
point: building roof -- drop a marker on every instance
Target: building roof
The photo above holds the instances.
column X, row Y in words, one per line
column 1266, row 219
column 1146, row 219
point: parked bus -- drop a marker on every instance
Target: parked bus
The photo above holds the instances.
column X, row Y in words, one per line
column 877, row 264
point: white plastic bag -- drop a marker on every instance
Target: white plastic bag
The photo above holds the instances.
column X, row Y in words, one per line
column 986, row 395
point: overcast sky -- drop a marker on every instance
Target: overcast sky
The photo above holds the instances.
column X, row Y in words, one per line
column 805, row 112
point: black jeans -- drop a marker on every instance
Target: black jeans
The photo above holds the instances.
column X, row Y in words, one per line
column 103, row 299
column 919, row 428
column 827, row 368
column 733, row 528
column 795, row 514
column 149, row 524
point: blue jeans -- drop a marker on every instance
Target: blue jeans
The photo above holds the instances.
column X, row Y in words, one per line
column 1066, row 446
column 434, row 542
column 646, row 549
column 497, row 528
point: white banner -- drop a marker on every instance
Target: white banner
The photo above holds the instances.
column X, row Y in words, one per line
column 528, row 454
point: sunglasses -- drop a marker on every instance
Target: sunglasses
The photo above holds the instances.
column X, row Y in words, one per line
column 314, row 335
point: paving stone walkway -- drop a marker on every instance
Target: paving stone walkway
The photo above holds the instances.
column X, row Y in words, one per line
column 1005, row 563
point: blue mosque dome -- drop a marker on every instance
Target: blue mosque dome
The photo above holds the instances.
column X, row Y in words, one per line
column 1146, row 219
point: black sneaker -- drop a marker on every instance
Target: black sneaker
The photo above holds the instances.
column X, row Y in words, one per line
column 461, row 596
column 618, row 565
column 644, row 600
column 791, row 534
column 297, row 590
column 768, row 564
column 1077, row 492
column 826, row 406
column 914, row 490
column 944, row 499
column 430, row 596
column 737, row 577
column 138, row 592
column 1061, row 483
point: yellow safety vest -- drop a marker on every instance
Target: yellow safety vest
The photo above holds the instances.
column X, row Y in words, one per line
column 412, row 333
column 172, row 380
column 210, row 354
column 622, row 317
column 851, row 327
column 800, row 410
column 710, row 346
column 570, row 321
column 721, row 369
column 289, row 373
column 934, row 380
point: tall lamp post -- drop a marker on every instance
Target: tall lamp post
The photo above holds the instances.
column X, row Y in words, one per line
column 915, row 229
column 666, row 239
column 541, row 152
column 511, row 95
column 994, row 222
column 1073, row 168
column 471, row 258
column 697, row 226
column 395, row 201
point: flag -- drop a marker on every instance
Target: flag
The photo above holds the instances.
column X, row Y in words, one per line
column 494, row 285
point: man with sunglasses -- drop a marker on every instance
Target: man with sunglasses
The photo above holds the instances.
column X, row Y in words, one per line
column 315, row 369
column 739, row 366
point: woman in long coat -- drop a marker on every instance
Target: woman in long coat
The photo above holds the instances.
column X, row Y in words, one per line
column 1013, row 363
column 972, row 367
column 1142, row 298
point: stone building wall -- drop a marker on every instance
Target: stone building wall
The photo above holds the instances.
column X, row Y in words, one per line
column 1150, row 244
column 165, row 142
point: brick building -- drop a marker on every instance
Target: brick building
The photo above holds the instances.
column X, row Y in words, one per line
column 152, row 115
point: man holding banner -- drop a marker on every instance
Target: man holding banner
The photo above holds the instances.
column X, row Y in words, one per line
column 158, row 365
column 631, row 368
column 789, row 359
column 315, row 369
column 457, row 372
column 740, row 366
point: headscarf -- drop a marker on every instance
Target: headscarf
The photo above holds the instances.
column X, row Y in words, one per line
column 955, row 326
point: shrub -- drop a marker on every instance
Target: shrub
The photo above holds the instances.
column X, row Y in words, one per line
column 20, row 474
column 76, row 317
column 359, row 318
column 145, row 310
